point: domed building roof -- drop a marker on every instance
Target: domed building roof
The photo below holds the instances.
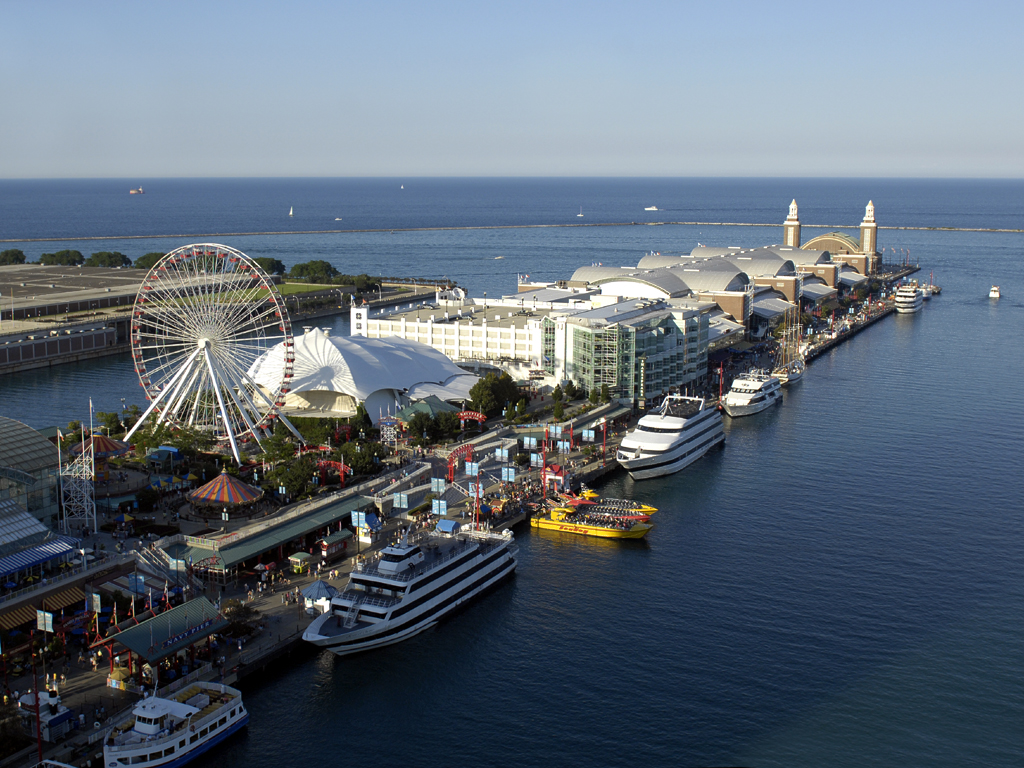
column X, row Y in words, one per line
column 333, row 374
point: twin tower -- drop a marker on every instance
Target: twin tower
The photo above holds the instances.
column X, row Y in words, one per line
column 868, row 230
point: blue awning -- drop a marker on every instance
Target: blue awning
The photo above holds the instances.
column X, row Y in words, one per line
column 40, row 553
column 372, row 522
column 448, row 526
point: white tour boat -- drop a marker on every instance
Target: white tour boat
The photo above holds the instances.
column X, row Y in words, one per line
column 994, row 293
column 168, row 732
column 751, row 393
column 408, row 587
column 908, row 299
column 651, row 208
column 670, row 438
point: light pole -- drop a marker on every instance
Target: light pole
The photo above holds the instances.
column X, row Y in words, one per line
column 604, row 439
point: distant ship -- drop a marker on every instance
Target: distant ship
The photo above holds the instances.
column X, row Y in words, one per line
column 291, row 210
column 994, row 293
column 338, row 219
column 498, row 257
column 651, row 208
column 138, row 191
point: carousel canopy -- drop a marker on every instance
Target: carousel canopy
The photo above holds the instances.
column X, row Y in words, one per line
column 102, row 446
column 225, row 489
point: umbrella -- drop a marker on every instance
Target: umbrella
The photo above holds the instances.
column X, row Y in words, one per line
column 225, row 489
column 124, row 519
column 191, row 476
column 119, row 674
column 10, row 585
column 176, row 479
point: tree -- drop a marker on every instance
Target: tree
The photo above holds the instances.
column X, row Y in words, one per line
column 317, row 271
column 559, row 412
column 556, row 394
column 521, row 407
column 111, row 421
column 12, row 256
column 606, row 396
column 571, row 393
column 271, row 266
column 595, row 396
column 192, row 442
column 243, row 617
column 295, row 476
column 147, row 261
column 420, row 424
column 447, row 424
column 62, row 259
column 108, row 259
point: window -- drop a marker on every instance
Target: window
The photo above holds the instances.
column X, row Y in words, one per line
column 169, row 751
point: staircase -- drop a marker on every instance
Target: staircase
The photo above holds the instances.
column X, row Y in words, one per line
column 353, row 614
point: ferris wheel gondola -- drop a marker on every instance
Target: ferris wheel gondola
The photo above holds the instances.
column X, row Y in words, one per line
column 204, row 315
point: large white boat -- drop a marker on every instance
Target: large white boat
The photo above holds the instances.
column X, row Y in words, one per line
column 670, row 438
column 751, row 393
column 168, row 732
column 908, row 299
column 994, row 293
column 409, row 586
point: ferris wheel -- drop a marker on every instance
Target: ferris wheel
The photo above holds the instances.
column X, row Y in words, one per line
column 204, row 315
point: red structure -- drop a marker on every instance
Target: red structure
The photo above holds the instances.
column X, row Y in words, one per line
column 338, row 466
column 463, row 451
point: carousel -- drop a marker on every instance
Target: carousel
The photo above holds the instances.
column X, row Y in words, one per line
column 225, row 493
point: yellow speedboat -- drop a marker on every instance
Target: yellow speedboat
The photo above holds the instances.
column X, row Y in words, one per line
column 588, row 496
column 586, row 525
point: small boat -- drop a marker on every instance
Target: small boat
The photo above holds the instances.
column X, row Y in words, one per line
column 994, row 293
column 172, row 731
column 402, row 187
column 586, row 494
column 584, row 524
column 496, row 258
column 580, row 214
column 291, row 211
column 138, row 191
column 337, row 219
column 651, row 208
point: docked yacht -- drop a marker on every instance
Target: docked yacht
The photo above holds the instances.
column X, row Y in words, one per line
column 908, row 299
column 170, row 732
column 409, row 586
column 752, row 393
column 678, row 433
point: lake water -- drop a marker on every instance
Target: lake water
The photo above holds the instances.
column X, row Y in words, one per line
column 840, row 585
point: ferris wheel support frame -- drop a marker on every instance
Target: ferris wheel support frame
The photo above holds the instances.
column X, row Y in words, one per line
column 164, row 391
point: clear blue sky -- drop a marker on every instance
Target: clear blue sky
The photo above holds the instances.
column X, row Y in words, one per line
column 144, row 89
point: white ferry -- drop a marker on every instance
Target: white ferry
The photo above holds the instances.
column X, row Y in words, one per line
column 752, row 393
column 908, row 299
column 672, row 437
column 170, row 732
column 408, row 587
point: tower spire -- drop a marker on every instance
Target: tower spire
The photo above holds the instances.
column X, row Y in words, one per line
column 791, row 227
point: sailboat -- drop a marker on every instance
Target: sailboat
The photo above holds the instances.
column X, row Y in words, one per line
column 791, row 367
column 580, row 214
column 291, row 211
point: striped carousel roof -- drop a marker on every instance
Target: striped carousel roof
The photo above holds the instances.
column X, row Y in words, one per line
column 225, row 489
column 102, row 446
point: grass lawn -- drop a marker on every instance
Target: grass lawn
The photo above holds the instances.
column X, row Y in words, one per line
column 290, row 289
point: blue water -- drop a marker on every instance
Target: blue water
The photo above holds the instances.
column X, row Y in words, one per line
column 841, row 585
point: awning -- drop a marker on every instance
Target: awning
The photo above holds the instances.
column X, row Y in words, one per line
column 817, row 292
column 341, row 535
column 448, row 526
column 41, row 553
column 64, row 598
column 319, row 590
column 771, row 308
column 17, row 617
column 852, row 278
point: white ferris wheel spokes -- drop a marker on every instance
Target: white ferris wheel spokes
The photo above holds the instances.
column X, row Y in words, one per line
column 204, row 315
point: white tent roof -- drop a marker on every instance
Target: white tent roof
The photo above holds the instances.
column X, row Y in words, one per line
column 358, row 366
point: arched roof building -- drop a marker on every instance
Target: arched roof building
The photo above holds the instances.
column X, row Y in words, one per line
column 28, row 469
column 334, row 374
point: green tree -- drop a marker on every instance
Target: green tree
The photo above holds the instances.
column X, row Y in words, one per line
column 482, row 396
column 296, row 476
column 361, row 457
column 559, row 411
column 12, row 256
column 108, row 259
column 278, row 447
column 62, row 259
column 317, row 271
column 74, row 427
column 606, row 396
column 420, row 424
column 556, row 394
column 192, row 442
column 447, row 424
column 147, row 261
column 243, row 617
column 595, row 396
column 111, row 421
column 271, row 266
column 521, row 407
column 571, row 392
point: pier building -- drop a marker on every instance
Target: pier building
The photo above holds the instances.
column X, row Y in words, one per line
column 28, row 470
column 860, row 254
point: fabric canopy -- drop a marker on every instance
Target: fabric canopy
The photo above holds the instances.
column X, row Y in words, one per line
column 319, row 590
column 40, row 553
column 225, row 489
column 102, row 446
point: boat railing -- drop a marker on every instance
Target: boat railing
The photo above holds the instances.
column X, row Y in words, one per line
column 192, row 726
column 409, row 574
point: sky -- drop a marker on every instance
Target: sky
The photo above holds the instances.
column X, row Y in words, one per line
column 254, row 89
